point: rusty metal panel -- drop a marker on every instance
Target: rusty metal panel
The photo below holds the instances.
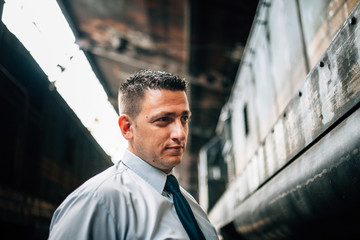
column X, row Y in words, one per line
column 329, row 94
column 321, row 20
column 318, row 192
column 245, row 129
column 265, row 102
column 313, row 16
column 286, row 56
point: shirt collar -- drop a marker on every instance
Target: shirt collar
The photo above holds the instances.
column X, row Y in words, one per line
column 155, row 177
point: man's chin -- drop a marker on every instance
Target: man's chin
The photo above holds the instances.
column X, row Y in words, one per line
column 174, row 160
column 170, row 164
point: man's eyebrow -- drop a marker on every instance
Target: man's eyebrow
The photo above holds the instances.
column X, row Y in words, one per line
column 186, row 112
column 169, row 114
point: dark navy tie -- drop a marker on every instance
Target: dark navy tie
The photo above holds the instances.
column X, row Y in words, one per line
column 183, row 209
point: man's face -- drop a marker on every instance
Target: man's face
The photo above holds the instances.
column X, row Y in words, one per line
column 160, row 129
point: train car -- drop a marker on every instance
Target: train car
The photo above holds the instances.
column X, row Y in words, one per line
column 285, row 162
column 46, row 152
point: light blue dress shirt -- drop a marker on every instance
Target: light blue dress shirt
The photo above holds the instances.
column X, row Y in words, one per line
column 126, row 201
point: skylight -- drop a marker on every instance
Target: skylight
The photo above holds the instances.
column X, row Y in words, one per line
column 44, row 31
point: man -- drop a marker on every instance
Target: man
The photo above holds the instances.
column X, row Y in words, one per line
column 133, row 199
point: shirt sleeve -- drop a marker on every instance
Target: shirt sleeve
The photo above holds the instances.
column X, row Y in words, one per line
column 83, row 217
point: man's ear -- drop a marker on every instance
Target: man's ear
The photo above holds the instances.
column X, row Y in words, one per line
column 125, row 125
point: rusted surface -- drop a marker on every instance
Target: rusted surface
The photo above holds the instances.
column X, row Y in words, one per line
column 321, row 22
column 328, row 95
column 130, row 35
column 318, row 192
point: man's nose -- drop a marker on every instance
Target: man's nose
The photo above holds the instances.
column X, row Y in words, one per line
column 178, row 130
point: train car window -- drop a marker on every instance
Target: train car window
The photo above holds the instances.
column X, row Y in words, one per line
column 246, row 121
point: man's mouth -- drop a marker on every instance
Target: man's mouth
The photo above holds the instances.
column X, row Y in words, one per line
column 175, row 147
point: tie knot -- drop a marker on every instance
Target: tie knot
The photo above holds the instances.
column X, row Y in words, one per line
column 172, row 184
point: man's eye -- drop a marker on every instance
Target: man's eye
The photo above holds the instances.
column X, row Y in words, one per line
column 185, row 118
column 163, row 119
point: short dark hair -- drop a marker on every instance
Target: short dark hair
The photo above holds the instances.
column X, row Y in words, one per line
column 132, row 91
